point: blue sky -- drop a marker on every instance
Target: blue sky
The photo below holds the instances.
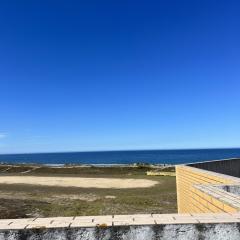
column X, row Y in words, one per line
column 105, row 75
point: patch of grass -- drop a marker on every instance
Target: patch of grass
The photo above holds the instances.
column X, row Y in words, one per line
column 49, row 201
column 73, row 208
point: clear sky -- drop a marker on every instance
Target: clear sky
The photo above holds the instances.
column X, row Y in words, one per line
column 104, row 75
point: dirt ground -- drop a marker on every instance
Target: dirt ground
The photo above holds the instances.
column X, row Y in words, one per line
column 39, row 191
column 116, row 183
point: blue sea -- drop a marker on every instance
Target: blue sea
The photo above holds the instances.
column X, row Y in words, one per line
column 123, row 157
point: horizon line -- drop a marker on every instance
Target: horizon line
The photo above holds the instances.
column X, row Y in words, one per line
column 121, row 150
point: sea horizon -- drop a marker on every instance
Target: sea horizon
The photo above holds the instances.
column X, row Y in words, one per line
column 118, row 157
column 119, row 150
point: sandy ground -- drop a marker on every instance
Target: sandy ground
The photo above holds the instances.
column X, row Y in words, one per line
column 116, row 183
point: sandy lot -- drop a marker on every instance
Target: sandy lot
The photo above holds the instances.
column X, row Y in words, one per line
column 81, row 182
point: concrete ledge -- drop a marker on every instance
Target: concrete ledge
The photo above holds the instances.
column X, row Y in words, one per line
column 125, row 227
column 117, row 220
column 160, row 232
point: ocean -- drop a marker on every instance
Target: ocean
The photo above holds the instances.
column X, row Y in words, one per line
column 123, row 157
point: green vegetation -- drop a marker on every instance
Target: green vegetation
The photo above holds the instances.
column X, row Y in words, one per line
column 18, row 200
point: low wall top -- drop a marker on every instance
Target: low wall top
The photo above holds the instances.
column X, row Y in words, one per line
column 116, row 220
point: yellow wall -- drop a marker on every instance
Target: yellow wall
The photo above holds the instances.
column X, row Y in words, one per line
column 192, row 200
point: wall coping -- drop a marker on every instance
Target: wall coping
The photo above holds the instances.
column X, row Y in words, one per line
column 117, row 220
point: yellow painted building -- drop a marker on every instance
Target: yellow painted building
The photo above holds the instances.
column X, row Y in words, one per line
column 204, row 191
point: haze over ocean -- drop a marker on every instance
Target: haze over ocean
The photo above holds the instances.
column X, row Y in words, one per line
column 123, row 157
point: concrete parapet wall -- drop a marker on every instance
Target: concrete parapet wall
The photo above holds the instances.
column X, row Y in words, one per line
column 226, row 166
column 199, row 191
column 125, row 227
column 163, row 232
